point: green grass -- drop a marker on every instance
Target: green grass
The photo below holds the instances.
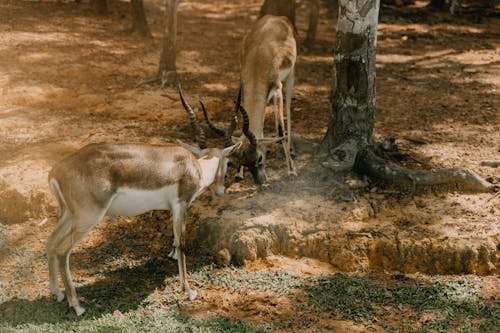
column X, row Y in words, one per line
column 145, row 298
column 453, row 304
column 139, row 320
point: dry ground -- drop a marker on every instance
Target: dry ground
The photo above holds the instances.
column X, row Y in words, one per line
column 68, row 77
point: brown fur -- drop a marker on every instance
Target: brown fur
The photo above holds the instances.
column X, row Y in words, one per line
column 87, row 181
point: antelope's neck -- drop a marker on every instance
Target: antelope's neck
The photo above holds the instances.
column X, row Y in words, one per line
column 254, row 102
column 208, row 168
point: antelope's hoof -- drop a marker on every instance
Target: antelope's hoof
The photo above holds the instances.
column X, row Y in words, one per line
column 79, row 310
column 59, row 295
column 238, row 179
column 192, row 294
column 292, row 175
column 173, row 254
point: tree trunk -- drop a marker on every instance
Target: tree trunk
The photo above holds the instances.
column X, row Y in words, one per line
column 279, row 8
column 101, row 6
column 313, row 22
column 167, row 72
column 348, row 143
column 353, row 86
column 332, row 7
column 139, row 22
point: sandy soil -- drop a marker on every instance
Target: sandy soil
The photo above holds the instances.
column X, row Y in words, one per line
column 68, row 77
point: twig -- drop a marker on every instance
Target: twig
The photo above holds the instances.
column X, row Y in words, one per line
column 494, row 196
column 491, row 163
column 415, row 140
column 42, row 222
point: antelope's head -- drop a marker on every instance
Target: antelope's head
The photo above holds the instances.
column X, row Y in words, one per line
column 251, row 154
column 203, row 153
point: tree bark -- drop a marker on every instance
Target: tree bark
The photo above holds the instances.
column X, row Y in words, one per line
column 167, row 72
column 353, row 84
column 348, row 143
column 139, row 22
column 332, row 7
column 279, row 8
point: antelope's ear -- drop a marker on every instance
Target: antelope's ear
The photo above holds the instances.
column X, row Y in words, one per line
column 268, row 141
column 236, row 139
column 196, row 151
column 231, row 149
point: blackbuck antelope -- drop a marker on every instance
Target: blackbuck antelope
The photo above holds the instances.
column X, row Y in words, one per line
column 108, row 179
column 267, row 60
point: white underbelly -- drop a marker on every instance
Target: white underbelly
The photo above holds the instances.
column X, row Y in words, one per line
column 132, row 202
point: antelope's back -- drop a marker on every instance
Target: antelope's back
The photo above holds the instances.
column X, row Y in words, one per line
column 269, row 44
column 100, row 169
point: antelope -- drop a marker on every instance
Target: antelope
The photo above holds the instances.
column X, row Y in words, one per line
column 267, row 60
column 107, row 179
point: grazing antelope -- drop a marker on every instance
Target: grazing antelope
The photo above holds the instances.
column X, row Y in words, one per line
column 108, row 179
column 245, row 157
column 267, row 60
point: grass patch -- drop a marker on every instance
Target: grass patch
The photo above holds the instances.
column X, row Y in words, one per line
column 142, row 319
column 452, row 304
column 279, row 281
column 146, row 297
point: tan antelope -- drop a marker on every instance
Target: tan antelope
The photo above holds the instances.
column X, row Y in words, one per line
column 107, row 179
column 267, row 60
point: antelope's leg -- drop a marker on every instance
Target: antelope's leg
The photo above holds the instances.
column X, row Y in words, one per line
column 179, row 222
column 289, row 84
column 278, row 111
column 240, row 175
column 63, row 228
column 81, row 225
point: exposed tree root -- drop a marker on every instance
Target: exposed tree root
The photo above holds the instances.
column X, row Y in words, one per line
column 152, row 79
column 369, row 163
column 365, row 160
column 165, row 79
column 302, row 145
column 343, row 157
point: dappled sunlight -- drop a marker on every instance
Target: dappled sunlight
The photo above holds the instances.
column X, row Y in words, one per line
column 316, row 59
column 426, row 60
column 70, row 77
column 386, row 30
column 216, row 87
column 192, row 59
column 29, row 37
column 32, row 94
column 36, row 57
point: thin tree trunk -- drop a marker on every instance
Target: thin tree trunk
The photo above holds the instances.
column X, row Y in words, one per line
column 139, row 22
column 167, row 70
column 313, row 22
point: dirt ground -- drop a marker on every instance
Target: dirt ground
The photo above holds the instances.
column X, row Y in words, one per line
column 68, row 77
